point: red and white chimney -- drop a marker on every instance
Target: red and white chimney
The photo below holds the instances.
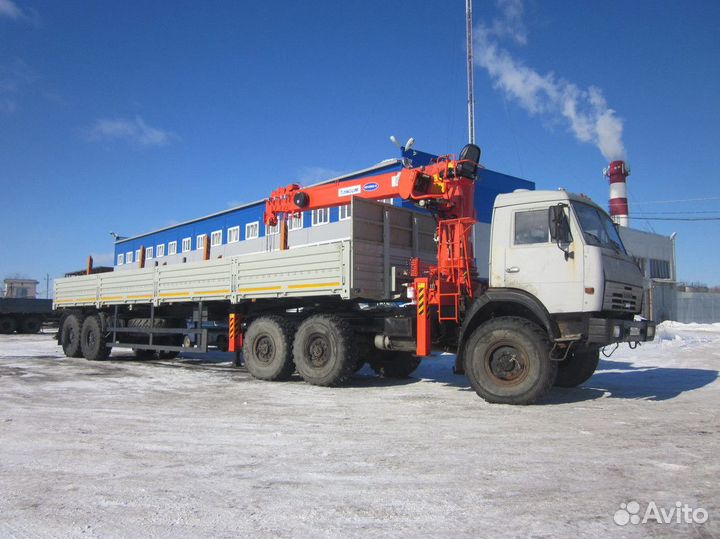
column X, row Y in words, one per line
column 618, row 172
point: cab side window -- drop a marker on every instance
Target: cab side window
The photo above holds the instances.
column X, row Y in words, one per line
column 531, row 227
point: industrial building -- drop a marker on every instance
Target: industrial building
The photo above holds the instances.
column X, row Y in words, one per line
column 654, row 253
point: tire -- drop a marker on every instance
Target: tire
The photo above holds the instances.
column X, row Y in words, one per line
column 578, row 367
column 168, row 354
column 390, row 364
column 70, row 335
column 92, row 339
column 267, row 348
column 31, row 325
column 144, row 355
column 7, row 325
column 507, row 361
column 324, row 350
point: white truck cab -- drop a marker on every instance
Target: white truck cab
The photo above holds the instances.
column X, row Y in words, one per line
column 561, row 286
column 564, row 250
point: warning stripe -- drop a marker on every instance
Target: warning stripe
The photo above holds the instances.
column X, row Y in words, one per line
column 421, row 300
column 233, row 326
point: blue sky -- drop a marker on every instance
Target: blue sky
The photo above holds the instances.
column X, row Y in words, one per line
column 128, row 116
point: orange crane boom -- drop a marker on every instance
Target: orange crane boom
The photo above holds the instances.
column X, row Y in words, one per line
column 446, row 189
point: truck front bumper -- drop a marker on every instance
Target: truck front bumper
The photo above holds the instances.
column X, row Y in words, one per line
column 602, row 331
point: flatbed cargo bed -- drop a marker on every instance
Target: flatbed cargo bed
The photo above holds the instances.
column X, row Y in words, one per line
column 373, row 248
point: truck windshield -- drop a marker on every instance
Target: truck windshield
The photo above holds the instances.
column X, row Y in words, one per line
column 597, row 227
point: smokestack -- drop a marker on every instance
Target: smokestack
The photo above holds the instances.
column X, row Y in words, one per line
column 618, row 172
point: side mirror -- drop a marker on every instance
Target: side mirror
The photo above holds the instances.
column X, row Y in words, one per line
column 558, row 224
column 559, row 227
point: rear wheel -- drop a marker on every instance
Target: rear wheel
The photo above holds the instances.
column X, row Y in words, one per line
column 70, row 335
column 578, row 367
column 30, row 325
column 93, row 340
column 507, row 361
column 7, row 324
column 324, row 350
column 392, row 364
column 267, row 348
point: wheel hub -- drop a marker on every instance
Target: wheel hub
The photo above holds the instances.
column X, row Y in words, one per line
column 265, row 349
column 318, row 351
column 506, row 363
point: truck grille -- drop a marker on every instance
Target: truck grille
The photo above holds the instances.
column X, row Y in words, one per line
column 622, row 297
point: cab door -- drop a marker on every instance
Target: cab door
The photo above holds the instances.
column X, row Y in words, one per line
column 535, row 263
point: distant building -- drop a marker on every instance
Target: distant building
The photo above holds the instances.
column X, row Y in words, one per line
column 20, row 288
column 655, row 255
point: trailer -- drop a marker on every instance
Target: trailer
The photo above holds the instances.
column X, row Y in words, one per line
column 392, row 286
column 24, row 315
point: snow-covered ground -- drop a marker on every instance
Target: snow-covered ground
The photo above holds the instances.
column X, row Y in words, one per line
column 193, row 448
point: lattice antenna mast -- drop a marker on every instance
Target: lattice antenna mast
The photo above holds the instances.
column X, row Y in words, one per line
column 470, row 85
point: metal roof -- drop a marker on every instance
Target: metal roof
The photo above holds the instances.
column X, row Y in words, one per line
column 379, row 166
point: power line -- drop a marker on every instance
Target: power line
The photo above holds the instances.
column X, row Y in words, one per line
column 676, row 200
column 677, row 218
column 687, row 212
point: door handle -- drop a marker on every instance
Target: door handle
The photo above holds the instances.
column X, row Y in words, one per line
column 512, row 269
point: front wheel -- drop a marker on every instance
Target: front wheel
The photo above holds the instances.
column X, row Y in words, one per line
column 507, row 361
column 578, row 367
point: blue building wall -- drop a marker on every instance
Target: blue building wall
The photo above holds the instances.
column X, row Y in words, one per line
column 490, row 184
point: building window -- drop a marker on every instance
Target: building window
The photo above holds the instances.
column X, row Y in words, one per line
column 129, row 257
column 172, row 248
column 200, row 242
column 296, row 221
column 252, row 230
column 320, row 216
column 345, row 212
column 531, row 227
column 161, row 250
column 216, row 238
column 186, row 244
column 659, row 269
column 148, row 253
column 233, row 234
column 272, row 230
column 121, row 259
column 137, row 255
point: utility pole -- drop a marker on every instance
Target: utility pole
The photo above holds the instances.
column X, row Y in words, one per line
column 47, row 286
column 470, row 86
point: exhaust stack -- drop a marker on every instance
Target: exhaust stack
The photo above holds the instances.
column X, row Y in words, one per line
column 618, row 172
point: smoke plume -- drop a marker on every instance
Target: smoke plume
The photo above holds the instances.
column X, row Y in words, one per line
column 586, row 111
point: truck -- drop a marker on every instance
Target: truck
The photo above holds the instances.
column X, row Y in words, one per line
column 398, row 285
column 24, row 315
